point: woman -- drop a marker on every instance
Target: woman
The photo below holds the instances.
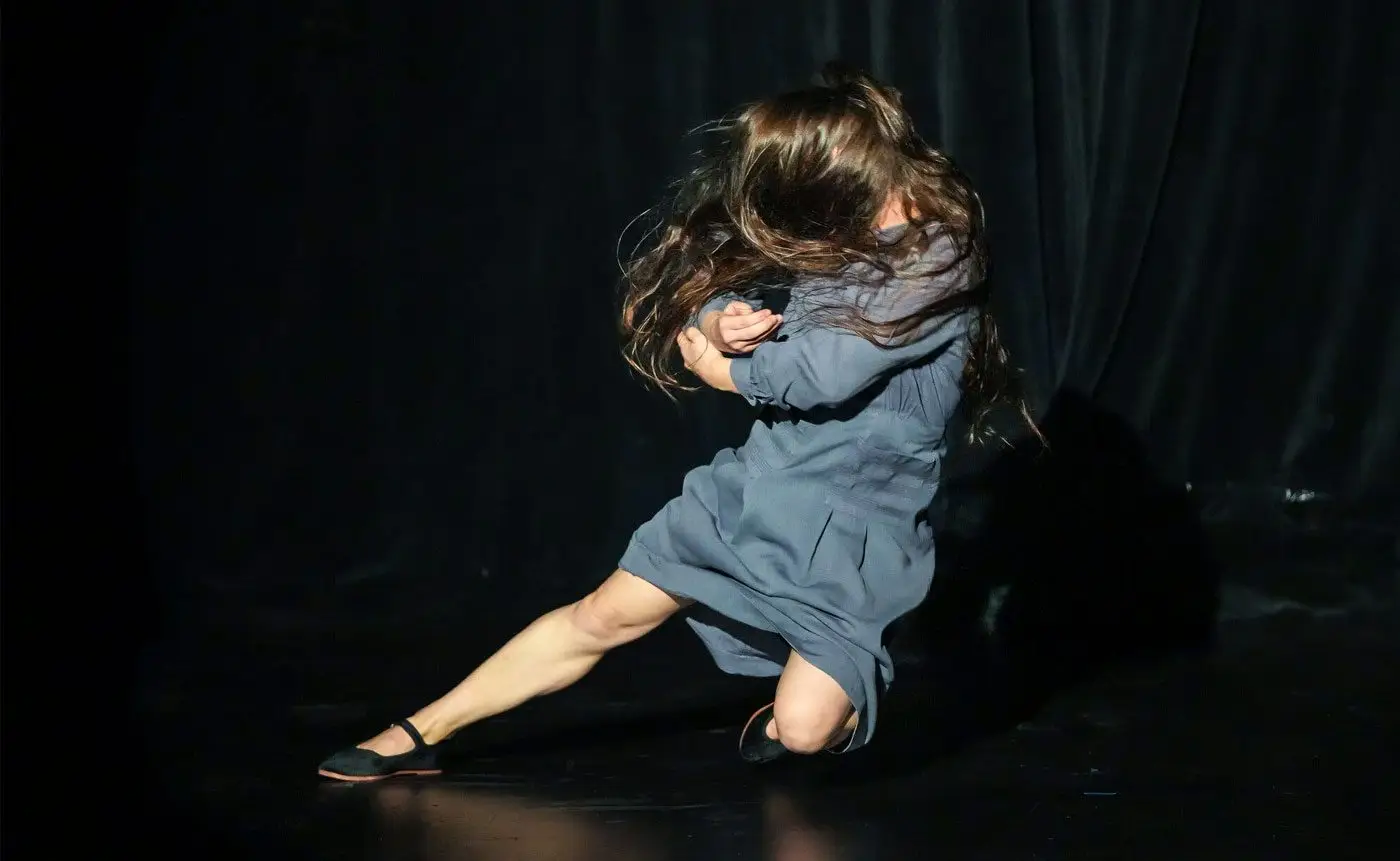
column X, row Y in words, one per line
column 792, row 554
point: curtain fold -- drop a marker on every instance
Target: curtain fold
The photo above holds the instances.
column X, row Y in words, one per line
column 376, row 255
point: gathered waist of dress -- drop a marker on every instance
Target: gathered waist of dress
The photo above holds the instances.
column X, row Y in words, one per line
column 855, row 467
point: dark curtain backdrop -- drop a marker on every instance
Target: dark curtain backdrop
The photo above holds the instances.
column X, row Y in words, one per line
column 377, row 376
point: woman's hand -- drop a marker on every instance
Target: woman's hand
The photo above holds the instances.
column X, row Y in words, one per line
column 739, row 328
column 705, row 361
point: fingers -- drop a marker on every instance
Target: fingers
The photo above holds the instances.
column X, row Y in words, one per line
column 754, row 329
column 693, row 344
column 753, row 332
column 742, row 317
column 732, row 324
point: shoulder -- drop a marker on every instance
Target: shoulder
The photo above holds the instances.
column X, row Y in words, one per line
column 936, row 251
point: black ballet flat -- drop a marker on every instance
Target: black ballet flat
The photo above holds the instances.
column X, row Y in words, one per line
column 755, row 746
column 358, row 765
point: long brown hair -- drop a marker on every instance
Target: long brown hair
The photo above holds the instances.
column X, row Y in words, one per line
column 792, row 189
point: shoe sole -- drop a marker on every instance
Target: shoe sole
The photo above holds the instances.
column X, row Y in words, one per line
column 370, row 778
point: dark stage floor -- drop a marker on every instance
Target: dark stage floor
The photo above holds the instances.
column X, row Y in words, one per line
column 1278, row 742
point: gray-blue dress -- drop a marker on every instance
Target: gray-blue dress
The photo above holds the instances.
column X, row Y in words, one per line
column 813, row 535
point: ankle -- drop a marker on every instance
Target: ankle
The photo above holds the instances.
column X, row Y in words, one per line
column 433, row 729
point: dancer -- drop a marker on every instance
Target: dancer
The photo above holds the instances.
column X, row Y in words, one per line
column 825, row 264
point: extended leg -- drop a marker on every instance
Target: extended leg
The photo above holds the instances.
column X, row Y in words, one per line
column 553, row 652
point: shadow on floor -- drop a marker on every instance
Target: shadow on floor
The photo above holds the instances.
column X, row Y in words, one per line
column 1053, row 565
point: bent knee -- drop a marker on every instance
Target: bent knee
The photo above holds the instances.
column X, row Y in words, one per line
column 806, row 728
column 603, row 624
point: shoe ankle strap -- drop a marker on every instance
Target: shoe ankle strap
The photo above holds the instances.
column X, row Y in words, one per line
column 412, row 731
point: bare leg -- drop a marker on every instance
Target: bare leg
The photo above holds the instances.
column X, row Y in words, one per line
column 811, row 712
column 553, row 652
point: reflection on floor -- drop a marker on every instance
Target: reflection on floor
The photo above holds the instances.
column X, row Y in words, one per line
column 1277, row 740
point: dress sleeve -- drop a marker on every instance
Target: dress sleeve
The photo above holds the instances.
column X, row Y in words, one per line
column 825, row 366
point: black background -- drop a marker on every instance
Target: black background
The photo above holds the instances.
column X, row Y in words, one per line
column 326, row 342
column 373, row 322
